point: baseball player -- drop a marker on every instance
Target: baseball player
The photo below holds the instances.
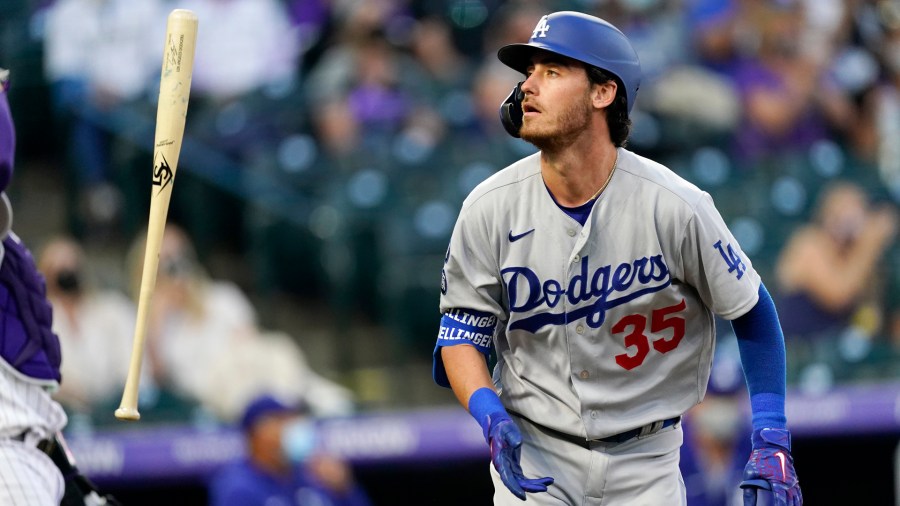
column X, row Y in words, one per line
column 594, row 274
column 35, row 467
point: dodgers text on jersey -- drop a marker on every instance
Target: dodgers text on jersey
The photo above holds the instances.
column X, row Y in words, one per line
column 528, row 292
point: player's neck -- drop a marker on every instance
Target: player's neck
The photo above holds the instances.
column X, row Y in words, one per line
column 575, row 176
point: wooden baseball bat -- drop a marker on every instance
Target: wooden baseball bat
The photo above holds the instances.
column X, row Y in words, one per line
column 174, row 89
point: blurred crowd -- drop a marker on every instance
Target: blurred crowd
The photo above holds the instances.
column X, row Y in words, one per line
column 331, row 142
column 206, row 354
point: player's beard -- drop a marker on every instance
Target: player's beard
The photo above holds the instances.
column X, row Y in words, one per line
column 550, row 136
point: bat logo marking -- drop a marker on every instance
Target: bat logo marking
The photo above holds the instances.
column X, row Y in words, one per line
column 162, row 173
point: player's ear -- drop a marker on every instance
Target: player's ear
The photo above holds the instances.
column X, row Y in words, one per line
column 603, row 94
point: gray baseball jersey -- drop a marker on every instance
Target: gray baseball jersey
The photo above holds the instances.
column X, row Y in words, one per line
column 602, row 328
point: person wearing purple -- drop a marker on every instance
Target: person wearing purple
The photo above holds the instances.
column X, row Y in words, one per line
column 29, row 356
column 35, row 469
column 284, row 464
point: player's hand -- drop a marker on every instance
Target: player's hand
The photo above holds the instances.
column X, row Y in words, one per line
column 506, row 446
column 770, row 470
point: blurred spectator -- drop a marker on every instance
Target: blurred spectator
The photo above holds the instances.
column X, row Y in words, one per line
column 481, row 147
column 711, row 25
column 204, row 342
column 99, row 55
column 875, row 137
column 444, row 72
column 657, row 31
column 245, row 46
column 703, row 75
column 787, row 103
column 284, row 463
column 314, row 23
column 513, row 22
column 246, row 67
column 338, row 133
column 94, row 326
column 273, row 362
column 366, row 67
column 827, row 271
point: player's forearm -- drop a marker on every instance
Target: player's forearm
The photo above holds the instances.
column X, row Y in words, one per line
column 761, row 344
column 467, row 371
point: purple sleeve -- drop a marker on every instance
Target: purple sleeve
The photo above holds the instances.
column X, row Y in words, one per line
column 7, row 142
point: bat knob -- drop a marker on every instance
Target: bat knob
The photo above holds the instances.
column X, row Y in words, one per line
column 128, row 414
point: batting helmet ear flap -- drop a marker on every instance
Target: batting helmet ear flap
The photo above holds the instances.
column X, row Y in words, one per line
column 511, row 111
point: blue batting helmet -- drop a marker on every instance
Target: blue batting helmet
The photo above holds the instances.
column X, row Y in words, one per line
column 585, row 38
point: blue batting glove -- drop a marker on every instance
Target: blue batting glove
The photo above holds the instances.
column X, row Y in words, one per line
column 770, row 470
column 506, row 445
column 505, row 441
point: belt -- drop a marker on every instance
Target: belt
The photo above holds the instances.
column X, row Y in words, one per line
column 650, row 428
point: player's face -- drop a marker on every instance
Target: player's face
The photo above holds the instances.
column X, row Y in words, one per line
column 557, row 106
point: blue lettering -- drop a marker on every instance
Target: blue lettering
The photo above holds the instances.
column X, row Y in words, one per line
column 643, row 277
column 621, row 280
column 534, row 298
column 552, row 292
column 578, row 287
column 605, row 282
column 471, row 319
column 732, row 259
column 598, row 288
column 657, row 261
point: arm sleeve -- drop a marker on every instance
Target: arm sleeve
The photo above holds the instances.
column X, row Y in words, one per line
column 761, row 343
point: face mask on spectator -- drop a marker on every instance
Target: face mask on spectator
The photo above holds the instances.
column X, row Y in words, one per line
column 69, row 281
column 298, row 440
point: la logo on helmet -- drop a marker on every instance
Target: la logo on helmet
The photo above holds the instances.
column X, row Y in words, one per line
column 541, row 29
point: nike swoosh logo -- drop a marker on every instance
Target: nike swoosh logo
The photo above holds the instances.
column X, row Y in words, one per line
column 514, row 238
column 782, row 459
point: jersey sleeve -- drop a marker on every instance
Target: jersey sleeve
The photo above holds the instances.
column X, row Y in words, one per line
column 714, row 264
column 470, row 278
column 471, row 291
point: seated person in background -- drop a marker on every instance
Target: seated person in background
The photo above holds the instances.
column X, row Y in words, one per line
column 192, row 321
column 95, row 328
column 101, row 58
column 204, row 342
column 283, row 463
column 827, row 269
